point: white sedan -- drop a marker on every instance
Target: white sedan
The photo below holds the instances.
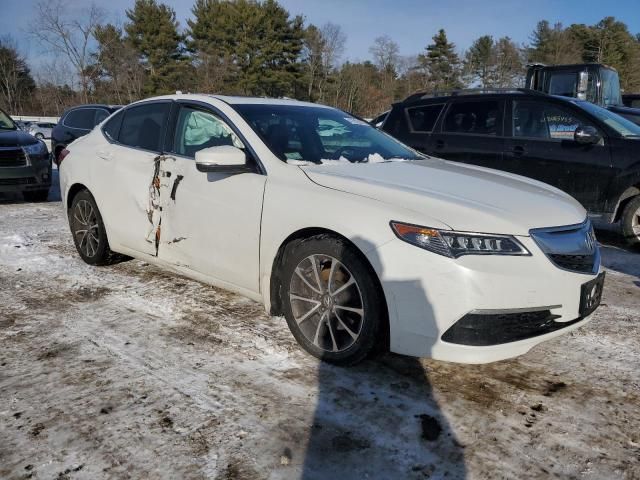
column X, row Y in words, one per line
column 357, row 240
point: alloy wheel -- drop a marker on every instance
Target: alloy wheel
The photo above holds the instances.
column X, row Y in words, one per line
column 326, row 303
column 635, row 223
column 86, row 228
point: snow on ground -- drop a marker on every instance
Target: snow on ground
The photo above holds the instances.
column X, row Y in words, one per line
column 130, row 372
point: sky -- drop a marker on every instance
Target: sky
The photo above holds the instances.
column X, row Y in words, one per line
column 411, row 23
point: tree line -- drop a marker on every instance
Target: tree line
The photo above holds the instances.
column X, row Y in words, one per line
column 256, row 47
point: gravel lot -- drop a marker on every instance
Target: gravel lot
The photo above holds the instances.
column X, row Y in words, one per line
column 128, row 372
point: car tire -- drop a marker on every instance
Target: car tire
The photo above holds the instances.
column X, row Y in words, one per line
column 36, row 195
column 630, row 221
column 334, row 310
column 39, row 136
column 89, row 232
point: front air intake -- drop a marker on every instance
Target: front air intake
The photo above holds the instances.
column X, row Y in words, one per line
column 572, row 248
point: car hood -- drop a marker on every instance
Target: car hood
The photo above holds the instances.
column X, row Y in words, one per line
column 464, row 197
column 14, row 138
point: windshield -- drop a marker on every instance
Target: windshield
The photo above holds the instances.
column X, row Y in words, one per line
column 300, row 134
column 6, row 123
column 610, row 87
column 624, row 127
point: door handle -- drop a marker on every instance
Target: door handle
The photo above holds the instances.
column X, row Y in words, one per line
column 518, row 151
column 440, row 144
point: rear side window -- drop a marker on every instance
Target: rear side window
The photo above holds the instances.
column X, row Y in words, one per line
column 423, row 118
column 112, row 128
column 81, row 118
column 142, row 126
column 479, row 118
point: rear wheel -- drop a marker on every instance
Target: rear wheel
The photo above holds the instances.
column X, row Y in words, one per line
column 331, row 302
column 88, row 230
column 36, row 195
column 39, row 136
column 631, row 222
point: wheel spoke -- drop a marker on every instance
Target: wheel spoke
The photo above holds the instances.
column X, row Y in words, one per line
column 349, row 282
column 344, row 325
column 308, row 314
column 315, row 338
column 75, row 215
column 306, row 282
column 333, row 338
column 312, row 258
column 359, row 311
column 331, row 274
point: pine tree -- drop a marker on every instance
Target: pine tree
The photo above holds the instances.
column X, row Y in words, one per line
column 153, row 32
column 441, row 65
column 480, row 60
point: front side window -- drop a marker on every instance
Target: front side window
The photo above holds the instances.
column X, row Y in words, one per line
column 423, row 118
column 81, row 118
column 142, row 126
column 544, row 120
column 6, row 123
column 198, row 129
column 479, row 118
column 297, row 133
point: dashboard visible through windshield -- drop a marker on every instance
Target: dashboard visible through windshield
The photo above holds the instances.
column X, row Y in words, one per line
column 298, row 134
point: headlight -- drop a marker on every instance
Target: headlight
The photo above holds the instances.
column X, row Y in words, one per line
column 455, row 244
column 35, row 149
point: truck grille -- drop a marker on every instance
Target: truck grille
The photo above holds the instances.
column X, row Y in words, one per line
column 12, row 157
column 572, row 248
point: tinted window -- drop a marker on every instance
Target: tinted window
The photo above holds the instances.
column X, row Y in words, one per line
column 635, row 103
column 320, row 134
column 565, row 84
column 142, row 126
column 544, row 120
column 100, row 116
column 112, row 127
column 480, row 118
column 80, row 118
column 422, row 119
column 197, row 129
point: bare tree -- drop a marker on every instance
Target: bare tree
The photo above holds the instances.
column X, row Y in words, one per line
column 386, row 53
column 16, row 82
column 68, row 32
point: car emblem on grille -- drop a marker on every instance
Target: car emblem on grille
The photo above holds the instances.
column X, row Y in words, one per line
column 590, row 241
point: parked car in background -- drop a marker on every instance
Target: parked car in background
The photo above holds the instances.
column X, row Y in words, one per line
column 22, row 125
column 353, row 237
column 589, row 152
column 379, row 119
column 25, row 164
column 594, row 82
column 41, row 130
column 75, row 123
column 631, row 100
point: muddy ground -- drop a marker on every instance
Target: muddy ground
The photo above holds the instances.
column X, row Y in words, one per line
column 128, row 372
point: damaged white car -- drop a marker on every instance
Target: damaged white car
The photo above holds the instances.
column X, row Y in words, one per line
column 357, row 240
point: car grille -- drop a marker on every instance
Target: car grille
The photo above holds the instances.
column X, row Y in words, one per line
column 12, row 157
column 17, row 181
column 572, row 248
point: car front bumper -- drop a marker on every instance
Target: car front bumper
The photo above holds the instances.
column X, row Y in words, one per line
column 427, row 294
column 36, row 175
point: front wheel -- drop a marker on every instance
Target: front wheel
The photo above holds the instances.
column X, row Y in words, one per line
column 39, row 136
column 332, row 301
column 631, row 222
column 88, row 230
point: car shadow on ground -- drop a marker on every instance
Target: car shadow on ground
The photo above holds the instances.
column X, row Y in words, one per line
column 54, row 192
column 380, row 419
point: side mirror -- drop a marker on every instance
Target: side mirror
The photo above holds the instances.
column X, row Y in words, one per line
column 222, row 159
column 587, row 135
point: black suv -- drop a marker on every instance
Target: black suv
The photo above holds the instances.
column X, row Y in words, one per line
column 75, row 123
column 631, row 100
column 587, row 151
column 25, row 164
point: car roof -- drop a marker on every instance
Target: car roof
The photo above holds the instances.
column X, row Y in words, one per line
column 474, row 94
column 234, row 100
